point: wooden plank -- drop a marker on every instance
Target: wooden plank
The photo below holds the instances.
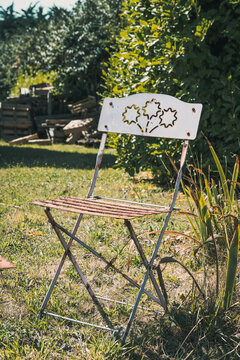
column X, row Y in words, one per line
column 16, row 132
column 73, row 138
column 23, row 140
column 84, row 104
column 42, row 118
column 9, row 112
column 40, row 141
column 51, row 126
column 14, row 106
column 56, row 122
column 19, row 124
column 77, row 126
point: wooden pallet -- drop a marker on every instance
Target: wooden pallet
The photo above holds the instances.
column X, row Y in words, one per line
column 16, row 119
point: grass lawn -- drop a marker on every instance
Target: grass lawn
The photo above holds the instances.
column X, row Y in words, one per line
column 30, row 173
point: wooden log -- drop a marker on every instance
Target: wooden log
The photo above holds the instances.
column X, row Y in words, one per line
column 77, row 126
column 23, row 140
column 83, row 104
column 40, row 141
column 57, row 122
column 64, row 117
column 73, row 138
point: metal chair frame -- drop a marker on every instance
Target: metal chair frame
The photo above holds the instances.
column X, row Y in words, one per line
column 145, row 115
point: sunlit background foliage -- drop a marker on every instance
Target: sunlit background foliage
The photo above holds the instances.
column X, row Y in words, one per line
column 188, row 49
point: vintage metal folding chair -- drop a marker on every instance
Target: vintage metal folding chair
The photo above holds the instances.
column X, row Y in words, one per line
column 144, row 115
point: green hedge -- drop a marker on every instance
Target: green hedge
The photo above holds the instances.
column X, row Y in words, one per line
column 188, row 49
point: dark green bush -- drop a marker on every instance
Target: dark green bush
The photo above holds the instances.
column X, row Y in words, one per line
column 187, row 49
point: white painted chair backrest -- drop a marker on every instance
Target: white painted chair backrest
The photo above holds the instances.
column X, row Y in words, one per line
column 154, row 115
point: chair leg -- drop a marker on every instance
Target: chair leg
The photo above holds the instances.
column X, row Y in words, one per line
column 129, row 324
column 159, row 241
column 145, row 262
column 54, row 280
column 147, row 274
column 81, row 275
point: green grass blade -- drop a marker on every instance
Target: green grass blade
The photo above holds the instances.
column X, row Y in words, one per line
column 208, row 191
column 234, row 180
column 231, row 268
column 214, row 191
column 193, row 222
column 221, row 174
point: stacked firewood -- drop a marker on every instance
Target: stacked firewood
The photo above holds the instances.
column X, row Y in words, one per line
column 84, row 129
column 78, row 127
column 84, row 107
column 53, row 125
column 23, row 117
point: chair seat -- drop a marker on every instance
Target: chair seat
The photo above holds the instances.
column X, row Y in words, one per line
column 96, row 207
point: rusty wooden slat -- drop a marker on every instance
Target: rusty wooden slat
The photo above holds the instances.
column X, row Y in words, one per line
column 86, row 211
column 97, row 208
column 111, row 206
column 125, row 206
column 80, row 210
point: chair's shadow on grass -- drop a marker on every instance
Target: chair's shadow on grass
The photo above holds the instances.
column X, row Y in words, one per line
column 37, row 157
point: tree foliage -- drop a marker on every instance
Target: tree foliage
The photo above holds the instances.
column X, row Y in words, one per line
column 24, row 40
column 187, row 49
column 70, row 43
column 79, row 54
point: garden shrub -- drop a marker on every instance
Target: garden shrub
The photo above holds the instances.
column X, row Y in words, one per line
column 186, row 49
column 27, row 79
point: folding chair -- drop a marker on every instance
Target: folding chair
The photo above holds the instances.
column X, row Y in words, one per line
column 153, row 115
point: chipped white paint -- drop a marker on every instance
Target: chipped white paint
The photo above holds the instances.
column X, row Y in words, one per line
column 150, row 115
